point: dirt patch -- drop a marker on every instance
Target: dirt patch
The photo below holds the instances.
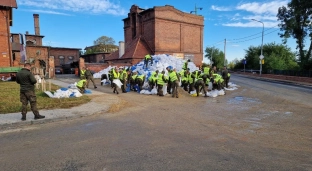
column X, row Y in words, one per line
column 121, row 104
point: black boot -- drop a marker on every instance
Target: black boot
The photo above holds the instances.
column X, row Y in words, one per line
column 39, row 116
column 23, row 117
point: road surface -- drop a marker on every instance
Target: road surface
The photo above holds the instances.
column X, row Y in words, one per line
column 260, row 126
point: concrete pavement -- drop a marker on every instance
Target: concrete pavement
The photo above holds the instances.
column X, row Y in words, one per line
column 100, row 102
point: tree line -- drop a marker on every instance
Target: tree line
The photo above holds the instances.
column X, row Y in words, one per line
column 295, row 22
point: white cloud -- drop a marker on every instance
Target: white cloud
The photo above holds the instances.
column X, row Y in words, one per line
column 48, row 12
column 261, row 17
column 263, row 8
column 92, row 6
column 216, row 8
column 251, row 24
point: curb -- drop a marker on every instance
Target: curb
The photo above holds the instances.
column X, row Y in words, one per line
column 100, row 102
column 304, row 84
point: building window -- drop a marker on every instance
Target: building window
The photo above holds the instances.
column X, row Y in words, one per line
column 62, row 60
column 71, row 58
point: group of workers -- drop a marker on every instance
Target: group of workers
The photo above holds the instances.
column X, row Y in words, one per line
column 190, row 81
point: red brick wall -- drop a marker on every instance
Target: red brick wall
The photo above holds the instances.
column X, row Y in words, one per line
column 4, row 38
column 168, row 36
column 37, row 39
column 37, row 52
column 149, row 31
column 168, row 30
column 57, row 52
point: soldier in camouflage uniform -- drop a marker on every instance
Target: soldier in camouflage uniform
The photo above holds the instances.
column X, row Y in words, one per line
column 27, row 83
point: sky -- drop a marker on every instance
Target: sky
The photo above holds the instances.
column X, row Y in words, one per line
column 77, row 23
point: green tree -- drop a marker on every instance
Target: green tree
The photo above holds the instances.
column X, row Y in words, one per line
column 102, row 44
column 216, row 56
column 295, row 21
column 104, row 40
column 276, row 56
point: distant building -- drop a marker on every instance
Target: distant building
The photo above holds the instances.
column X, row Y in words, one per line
column 98, row 57
column 44, row 57
column 160, row 30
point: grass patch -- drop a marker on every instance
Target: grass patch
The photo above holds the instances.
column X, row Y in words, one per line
column 10, row 99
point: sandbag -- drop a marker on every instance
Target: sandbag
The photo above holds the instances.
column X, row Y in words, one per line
column 117, row 82
column 154, row 91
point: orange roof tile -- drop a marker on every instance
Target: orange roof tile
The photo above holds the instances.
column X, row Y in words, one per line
column 136, row 49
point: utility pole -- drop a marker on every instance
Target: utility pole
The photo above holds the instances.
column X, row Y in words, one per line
column 261, row 55
column 196, row 8
column 224, row 52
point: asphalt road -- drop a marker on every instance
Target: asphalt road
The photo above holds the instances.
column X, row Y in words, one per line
column 260, row 126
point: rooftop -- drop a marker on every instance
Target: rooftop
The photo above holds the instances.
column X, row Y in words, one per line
column 8, row 3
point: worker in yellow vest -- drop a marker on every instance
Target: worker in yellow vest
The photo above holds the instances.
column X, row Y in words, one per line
column 174, row 78
column 185, row 65
column 161, row 80
column 200, row 84
column 140, row 81
column 115, row 76
column 184, row 79
column 81, row 85
column 168, row 68
column 225, row 73
column 217, row 82
column 152, row 80
column 190, row 82
column 83, row 73
column 147, row 58
column 132, row 80
column 123, row 78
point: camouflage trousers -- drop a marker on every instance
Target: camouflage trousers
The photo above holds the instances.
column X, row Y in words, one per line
column 30, row 97
column 90, row 79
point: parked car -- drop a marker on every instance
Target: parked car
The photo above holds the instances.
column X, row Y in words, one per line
column 58, row 70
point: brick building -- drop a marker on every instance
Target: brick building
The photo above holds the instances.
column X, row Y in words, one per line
column 41, row 57
column 160, row 30
column 46, row 57
column 6, row 20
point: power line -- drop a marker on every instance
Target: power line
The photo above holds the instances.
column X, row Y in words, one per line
column 254, row 34
column 216, row 43
column 255, row 37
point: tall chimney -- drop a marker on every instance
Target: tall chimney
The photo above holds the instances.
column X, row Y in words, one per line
column 36, row 22
column 121, row 48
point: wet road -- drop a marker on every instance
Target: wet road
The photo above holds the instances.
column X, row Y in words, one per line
column 260, row 126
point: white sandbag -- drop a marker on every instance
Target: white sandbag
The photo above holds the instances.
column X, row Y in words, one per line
column 230, row 84
column 193, row 92
column 142, row 91
column 230, row 89
column 49, row 94
column 117, row 82
column 72, row 86
column 154, row 90
column 212, row 93
column 209, row 86
column 221, row 93
column 147, row 92
column 164, row 89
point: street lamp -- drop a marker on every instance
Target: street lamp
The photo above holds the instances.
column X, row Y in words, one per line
column 261, row 56
column 196, row 10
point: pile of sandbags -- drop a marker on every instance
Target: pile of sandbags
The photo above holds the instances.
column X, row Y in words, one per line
column 64, row 93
